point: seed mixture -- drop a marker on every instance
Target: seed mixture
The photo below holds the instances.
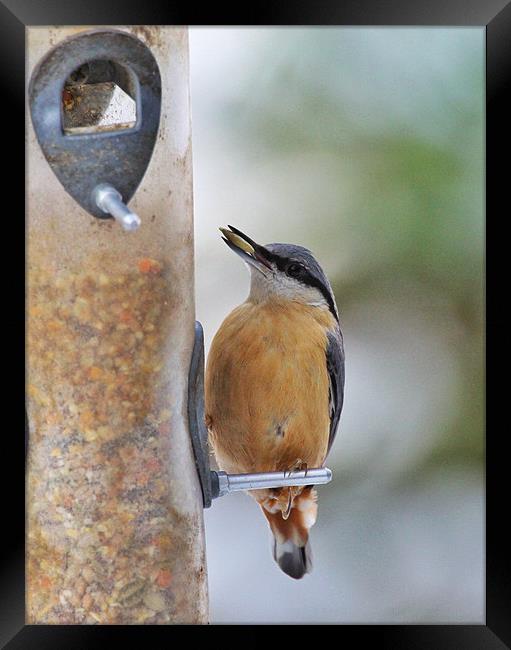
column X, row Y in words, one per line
column 102, row 531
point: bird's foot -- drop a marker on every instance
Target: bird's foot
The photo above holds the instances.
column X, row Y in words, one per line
column 287, row 511
column 298, row 466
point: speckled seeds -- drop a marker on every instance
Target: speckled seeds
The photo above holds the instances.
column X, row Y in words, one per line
column 102, row 531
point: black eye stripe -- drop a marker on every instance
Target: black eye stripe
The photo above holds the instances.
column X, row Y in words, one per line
column 307, row 278
column 295, row 269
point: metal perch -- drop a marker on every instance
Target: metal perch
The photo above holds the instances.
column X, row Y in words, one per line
column 223, row 483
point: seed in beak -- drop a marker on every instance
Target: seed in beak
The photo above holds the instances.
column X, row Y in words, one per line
column 237, row 241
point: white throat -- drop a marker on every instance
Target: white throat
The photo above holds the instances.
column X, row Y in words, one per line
column 279, row 285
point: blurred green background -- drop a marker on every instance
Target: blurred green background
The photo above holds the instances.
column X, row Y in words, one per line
column 366, row 146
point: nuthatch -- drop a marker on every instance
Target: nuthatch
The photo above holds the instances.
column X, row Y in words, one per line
column 275, row 384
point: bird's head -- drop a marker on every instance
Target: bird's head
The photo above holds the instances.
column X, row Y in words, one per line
column 284, row 271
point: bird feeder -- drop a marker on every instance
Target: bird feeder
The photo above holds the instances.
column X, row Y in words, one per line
column 114, row 505
column 117, row 454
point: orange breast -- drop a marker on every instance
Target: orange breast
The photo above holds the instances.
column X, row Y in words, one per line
column 266, row 388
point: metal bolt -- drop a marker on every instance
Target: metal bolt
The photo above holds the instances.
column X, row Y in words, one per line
column 234, row 482
column 108, row 199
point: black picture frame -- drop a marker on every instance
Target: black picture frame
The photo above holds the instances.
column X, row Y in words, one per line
column 495, row 15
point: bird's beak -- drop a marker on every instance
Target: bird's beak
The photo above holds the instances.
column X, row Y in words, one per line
column 251, row 252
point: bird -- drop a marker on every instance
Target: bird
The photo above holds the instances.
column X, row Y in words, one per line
column 274, row 386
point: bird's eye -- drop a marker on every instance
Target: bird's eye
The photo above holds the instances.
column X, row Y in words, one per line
column 294, row 270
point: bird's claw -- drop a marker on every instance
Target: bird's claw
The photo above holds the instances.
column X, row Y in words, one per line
column 299, row 466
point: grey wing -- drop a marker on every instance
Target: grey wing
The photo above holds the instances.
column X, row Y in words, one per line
column 335, row 367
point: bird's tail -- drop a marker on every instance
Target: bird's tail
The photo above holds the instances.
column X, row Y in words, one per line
column 291, row 547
